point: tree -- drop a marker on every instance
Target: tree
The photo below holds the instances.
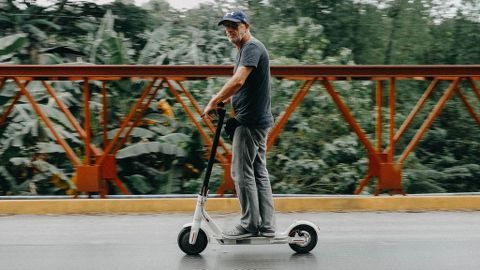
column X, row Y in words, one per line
column 409, row 33
column 16, row 20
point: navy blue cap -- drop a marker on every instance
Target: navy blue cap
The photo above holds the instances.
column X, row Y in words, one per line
column 237, row 16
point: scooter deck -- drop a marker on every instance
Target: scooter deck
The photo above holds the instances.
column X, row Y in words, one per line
column 253, row 241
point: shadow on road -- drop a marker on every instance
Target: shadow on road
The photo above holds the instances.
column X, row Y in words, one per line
column 249, row 260
column 192, row 262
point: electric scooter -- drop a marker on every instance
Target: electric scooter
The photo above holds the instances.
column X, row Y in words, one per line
column 301, row 236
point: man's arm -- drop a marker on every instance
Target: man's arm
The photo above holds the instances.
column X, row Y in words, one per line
column 232, row 86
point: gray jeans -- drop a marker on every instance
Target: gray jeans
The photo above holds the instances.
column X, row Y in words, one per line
column 249, row 171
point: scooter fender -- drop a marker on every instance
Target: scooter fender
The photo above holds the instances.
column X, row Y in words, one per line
column 302, row 222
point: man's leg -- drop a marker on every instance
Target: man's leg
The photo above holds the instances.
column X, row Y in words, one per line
column 264, row 189
column 245, row 149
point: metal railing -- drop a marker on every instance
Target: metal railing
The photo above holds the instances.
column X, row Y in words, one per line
column 99, row 165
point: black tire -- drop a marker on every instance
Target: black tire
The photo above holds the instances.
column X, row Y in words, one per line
column 309, row 232
column 196, row 248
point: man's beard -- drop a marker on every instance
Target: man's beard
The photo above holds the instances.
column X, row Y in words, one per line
column 237, row 39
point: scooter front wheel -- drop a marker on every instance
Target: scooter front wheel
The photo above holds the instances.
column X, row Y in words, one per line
column 310, row 235
column 184, row 244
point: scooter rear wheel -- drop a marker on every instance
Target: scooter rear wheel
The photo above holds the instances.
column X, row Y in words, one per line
column 185, row 246
column 310, row 235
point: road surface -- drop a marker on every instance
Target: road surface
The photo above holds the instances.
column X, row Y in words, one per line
column 358, row 240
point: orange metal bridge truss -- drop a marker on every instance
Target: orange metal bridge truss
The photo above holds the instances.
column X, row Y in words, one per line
column 98, row 165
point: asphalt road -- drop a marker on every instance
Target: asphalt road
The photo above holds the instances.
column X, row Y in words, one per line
column 433, row 240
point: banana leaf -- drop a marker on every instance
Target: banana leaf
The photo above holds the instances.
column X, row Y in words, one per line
column 13, row 43
column 136, row 132
column 142, row 148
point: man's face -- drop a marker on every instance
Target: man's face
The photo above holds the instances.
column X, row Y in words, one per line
column 235, row 31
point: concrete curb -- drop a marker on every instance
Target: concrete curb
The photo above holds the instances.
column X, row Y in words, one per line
column 226, row 205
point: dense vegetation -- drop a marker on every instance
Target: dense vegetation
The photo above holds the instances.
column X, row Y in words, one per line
column 317, row 152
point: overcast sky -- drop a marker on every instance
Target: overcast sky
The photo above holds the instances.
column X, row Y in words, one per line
column 177, row 4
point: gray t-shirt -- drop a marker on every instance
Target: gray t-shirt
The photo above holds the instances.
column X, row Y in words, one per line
column 252, row 102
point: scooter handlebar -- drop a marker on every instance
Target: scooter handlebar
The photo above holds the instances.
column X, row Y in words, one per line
column 221, row 108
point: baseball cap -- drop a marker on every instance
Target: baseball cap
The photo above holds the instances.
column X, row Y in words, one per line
column 234, row 16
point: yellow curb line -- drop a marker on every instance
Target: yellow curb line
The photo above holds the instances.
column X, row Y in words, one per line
column 282, row 204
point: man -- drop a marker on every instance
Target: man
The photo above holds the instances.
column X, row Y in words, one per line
column 249, row 92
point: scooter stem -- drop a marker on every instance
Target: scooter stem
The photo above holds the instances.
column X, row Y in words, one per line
column 197, row 219
column 202, row 197
column 221, row 116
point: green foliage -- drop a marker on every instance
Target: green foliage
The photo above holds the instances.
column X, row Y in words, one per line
column 11, row 44
column 108, row 46
column 35, row 162
column 143, row 148
column 316, row 153
column 304, row 41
